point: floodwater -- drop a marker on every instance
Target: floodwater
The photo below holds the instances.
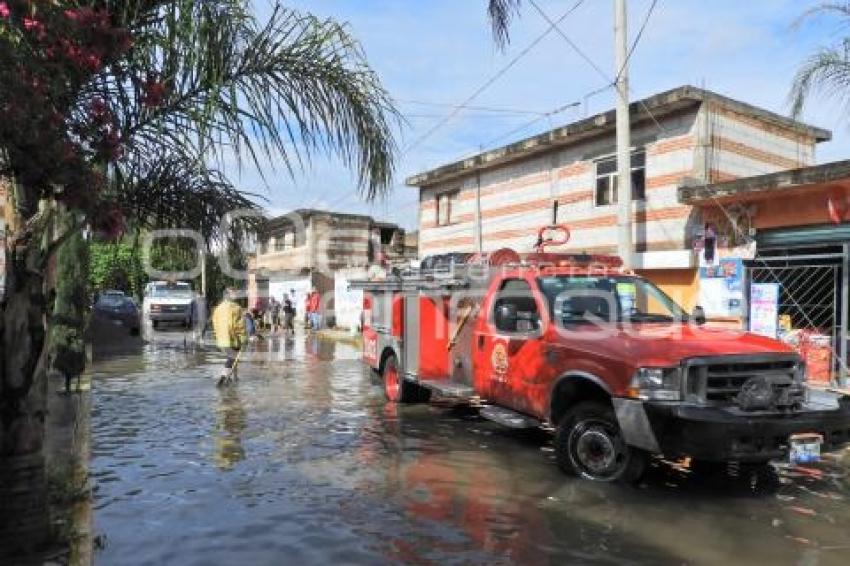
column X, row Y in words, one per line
column 302, row 462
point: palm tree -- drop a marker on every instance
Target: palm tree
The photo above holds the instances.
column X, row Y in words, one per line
column 828, row 69
column 115, row 110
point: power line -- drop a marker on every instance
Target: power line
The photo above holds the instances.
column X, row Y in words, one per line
column 545, row 116
column 474, row 108
column 593, row 64
column 493, row 79
column 571, row 43
column 637, row 38
column 474, row 114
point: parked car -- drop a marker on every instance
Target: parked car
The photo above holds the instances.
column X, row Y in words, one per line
column 120, row 309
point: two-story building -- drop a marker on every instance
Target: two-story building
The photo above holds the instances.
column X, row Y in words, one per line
column 686, row 136
column 315, row 248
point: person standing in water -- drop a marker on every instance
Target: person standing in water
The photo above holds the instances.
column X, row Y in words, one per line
column 314, row 306
column 228, row 324
column 288, row 316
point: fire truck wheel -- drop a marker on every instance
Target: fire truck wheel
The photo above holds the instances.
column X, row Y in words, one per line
column 398, row 389
column 392, row 380
column 588, row 443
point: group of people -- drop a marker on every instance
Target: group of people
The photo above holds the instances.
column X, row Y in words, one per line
column 277, row 316
column 234, row 327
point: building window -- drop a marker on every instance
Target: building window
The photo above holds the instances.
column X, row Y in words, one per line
column 447, row 208
column 387, row 235
column 606, row 179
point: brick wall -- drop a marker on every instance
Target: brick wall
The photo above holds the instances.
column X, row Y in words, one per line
column 518, row 197
column 743, row 146
column 704, row 144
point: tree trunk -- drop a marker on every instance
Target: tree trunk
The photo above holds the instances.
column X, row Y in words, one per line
column 24, row 512
column 66, row 345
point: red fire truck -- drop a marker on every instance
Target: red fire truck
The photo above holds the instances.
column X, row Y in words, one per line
column 577, row 345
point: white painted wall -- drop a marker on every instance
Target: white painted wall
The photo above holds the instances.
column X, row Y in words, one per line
column 348, row 304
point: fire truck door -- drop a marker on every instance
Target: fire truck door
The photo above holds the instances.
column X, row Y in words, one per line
column 509, row 351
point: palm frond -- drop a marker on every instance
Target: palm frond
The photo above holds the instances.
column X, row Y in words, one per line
column 839, row 8
column 501, row 13
column 279, row 92
column 169, row 193
column 828, row 70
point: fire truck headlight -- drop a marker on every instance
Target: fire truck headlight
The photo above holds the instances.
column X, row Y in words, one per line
column 657, row 384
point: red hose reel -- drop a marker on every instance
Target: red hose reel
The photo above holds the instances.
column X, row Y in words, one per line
column 545, row 237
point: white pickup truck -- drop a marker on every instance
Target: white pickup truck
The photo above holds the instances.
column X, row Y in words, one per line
column 168, row 301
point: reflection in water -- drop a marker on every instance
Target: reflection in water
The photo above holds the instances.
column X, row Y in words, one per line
column 303, row 462
column 464, row 474
column 231, row 424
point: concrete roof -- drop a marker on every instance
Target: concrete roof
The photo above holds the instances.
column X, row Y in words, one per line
column 828, row 173
column 306, row 213
column 659, row 105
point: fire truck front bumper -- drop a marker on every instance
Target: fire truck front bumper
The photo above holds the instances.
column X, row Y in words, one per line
column 727, row 433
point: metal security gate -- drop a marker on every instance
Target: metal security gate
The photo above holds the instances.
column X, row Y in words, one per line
column 810, row 296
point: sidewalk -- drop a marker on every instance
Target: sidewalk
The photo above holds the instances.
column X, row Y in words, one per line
column 339, row 335
column 67, row 452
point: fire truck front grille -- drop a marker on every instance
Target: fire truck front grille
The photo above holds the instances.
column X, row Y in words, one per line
column 754, row 383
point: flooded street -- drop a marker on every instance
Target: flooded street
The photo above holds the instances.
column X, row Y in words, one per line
column 303, row 462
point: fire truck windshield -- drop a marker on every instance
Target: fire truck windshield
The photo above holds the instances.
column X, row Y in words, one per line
column 585, row 298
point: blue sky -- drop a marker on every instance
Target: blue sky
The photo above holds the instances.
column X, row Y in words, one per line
column 441, row 51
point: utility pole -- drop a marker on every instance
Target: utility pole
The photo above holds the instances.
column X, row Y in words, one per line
column 203, row 258
column 624, row 143
column 479, row 236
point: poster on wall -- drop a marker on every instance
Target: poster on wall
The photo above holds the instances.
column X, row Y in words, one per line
column 721, row 291
column 764, row 309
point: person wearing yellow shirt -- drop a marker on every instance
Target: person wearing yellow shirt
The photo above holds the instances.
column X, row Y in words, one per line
column 228, row 323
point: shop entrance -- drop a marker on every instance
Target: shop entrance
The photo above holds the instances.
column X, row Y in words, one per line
column 811, row 289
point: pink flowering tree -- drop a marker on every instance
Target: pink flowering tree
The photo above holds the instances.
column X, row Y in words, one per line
column 123, row 111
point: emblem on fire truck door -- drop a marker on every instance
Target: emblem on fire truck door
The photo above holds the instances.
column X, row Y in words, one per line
column 499, row 361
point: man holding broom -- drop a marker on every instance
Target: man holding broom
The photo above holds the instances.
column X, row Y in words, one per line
column 228, row 324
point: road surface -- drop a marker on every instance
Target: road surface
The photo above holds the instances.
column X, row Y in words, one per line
column 302, row 462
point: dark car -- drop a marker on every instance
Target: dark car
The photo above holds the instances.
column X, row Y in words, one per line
column 120, row 310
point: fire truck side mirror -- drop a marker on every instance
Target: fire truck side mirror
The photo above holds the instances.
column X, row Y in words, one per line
column 506, row 317
column 698, row 315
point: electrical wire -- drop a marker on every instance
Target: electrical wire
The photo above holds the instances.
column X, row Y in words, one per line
column 843, row 364
column 637, row 39
column 527, row 125
column 492, row 79
column 555, row 25
column 593, row 64
column 473, row 108
column 474, row 114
